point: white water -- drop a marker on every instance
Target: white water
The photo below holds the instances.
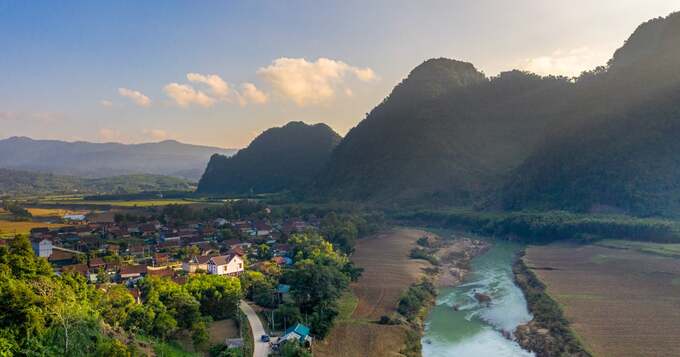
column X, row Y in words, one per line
column 475, row 330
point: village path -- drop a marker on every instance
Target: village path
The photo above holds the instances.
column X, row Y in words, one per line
column 262, row 349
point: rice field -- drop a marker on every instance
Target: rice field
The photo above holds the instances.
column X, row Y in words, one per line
column 619, row 302
column 9, row 229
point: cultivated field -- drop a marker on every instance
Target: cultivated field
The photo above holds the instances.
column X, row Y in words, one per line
column 620, row 302
column 9, row 229
column 388, row 272
column 121, row 203
column 53, row 212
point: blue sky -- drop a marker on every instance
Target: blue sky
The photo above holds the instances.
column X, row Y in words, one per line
column 219, row 73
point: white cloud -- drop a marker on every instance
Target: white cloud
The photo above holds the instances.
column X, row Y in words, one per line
column 108, row 134
column 136, row 96
column 185, row 95
column 566, row 62
column 250, row 94
column 306, row 82
column 105, row 103
column 156, row 134
column 218, row 87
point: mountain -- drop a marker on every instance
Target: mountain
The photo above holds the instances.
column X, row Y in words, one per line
column 607, row 140
column 279, row 158
column 14, row 182
column 109, row 159
column 446, row 134
column 622, row 154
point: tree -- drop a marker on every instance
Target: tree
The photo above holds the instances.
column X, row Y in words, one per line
column 218, row 295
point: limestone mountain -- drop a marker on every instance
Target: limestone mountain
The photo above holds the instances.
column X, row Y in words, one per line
column 620, row 150
column 278, row 159
column 446, row 133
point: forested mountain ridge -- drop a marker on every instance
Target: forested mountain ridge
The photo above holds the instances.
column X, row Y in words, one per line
column 106, row 159
column 449, row 135
column 622, row 152
column 281, row 158
column 446, row 133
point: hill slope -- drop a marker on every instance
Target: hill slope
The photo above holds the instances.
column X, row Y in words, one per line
column 446, row 133
column 622, row 154
column 278, row 159
column 14, row 182
column 102, row 160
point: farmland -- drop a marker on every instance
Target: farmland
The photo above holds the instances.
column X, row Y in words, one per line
column 620, row 302
column 388, row 272
column 11, row 228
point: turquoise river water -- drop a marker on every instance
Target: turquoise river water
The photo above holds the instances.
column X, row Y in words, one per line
column 475, row 330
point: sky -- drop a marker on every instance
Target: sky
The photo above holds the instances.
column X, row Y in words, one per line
column 220, row 72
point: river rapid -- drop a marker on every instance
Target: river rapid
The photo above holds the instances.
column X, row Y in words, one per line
column 475, row 330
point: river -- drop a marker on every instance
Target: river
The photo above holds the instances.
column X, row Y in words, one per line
column 473, row 331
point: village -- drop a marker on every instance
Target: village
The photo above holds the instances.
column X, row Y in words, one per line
column 109, row 248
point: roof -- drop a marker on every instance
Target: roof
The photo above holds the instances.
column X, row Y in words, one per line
column 132, row 269
column 299, row 329
column 283, row 289
column 223, row 259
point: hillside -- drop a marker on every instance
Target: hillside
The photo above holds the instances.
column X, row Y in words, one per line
column 445, row 134
column 278, row 159
column 625, row 158
column 104, row 160
column 14, row 182
column 606, row 140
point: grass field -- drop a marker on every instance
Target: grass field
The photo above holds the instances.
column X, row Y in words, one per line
column 620, row 302
column 9, row 229
column 388, row 272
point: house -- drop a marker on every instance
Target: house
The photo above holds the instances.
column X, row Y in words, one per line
column 262, row 229
column 74, row 217
column 160, row 259
column 97, row 263
column 231, row 264
column 42, row 247
column 196, row 263
column 132, row 271
column 299, row 333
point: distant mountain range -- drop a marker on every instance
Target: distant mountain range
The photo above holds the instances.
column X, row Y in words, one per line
column 282, row 158
column 86, row 159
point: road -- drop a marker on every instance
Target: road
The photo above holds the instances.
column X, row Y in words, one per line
column 261, row 348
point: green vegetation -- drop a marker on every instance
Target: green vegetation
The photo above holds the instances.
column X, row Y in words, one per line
column 416, row 299
column 57, row 315
column 23, row 183
column 343, row 230
column 552, row 225
column 320, row 276
column 63, row 315
column 547, row 315
column 278, row 159
column 425, row 254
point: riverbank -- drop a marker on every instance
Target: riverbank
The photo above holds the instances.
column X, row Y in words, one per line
column 548, row 333
column 477, row 316
column 376, row 327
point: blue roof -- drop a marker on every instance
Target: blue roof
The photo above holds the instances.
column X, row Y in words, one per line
column 283, row 289
column 299, row 329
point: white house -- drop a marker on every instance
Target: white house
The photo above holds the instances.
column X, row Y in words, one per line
column 42, row 247
column 231, row 264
